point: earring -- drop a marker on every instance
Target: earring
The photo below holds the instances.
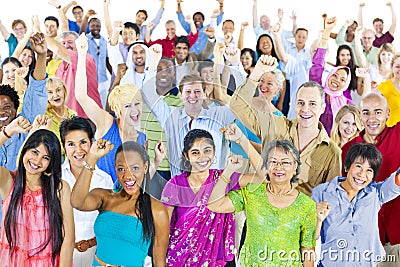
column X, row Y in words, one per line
column 186, row 164
column 117, row 187
column 47, row 174
column 345, row 170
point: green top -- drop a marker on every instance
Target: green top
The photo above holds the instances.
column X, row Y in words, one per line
column 153, row 130
column 274, row 235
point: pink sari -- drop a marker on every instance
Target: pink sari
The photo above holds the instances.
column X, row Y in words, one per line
column 201, row 237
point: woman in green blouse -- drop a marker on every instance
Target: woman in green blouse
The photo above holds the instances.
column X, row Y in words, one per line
column 281, row 221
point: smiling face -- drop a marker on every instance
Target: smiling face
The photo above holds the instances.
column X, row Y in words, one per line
column 68, row 42
column 77, row 146
column 131, row 112
column 170, row 28
column 130, row 170
column 138, row 55
column 268, row 86
column 359, row 175
column 368, row 38
column 201, row 155
column 347, row 127
column 309, row 107
column 78, row 14
column 51, row 28
column 192, row 96
column 301, row 39
column 281, row 166
column 344, row 57
column 95, row 28
column 26, row 57
column 386, row 57
column 228, row 27
column 265, row 45
column 246, row 60
column 165, row 75
column 7, row 110
column 378, row 27
column 56, row 96
column 129, row 36
column 36, row 160
column 140, row 18
column 265, row 22
column 198, row 20
column 9, row 73
column 19, row 30
column 374, row 114
column 337, row 80
column 207, row 74
column 181, row 52
column 396, row 68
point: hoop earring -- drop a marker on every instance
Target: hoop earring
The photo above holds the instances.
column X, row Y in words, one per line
column 186, row 164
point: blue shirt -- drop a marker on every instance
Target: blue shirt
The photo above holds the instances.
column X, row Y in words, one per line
column 352, row 226
column 74, row 27
column 201, row 42
column 100, row 55
column 35, row 103
column 176, row 124
column 156, row 21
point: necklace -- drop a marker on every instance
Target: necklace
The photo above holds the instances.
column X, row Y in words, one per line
column 279, row 195
column 63, row 116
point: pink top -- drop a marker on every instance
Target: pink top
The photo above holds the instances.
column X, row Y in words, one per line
column 32, row 230
column 67, row 72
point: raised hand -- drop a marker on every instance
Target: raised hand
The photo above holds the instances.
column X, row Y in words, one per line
column 38, row 43
column 215, row 13
column 188, row 19
column 118, row 25
column 232, row 55
column 244, row 25
column 293, row 17
column 35, row 24
column 54, row 3
column 362, row 72
column 41, row 122
column 74, row 3
column 330, row 23
column 18, row 125
column 362, row 5
column 150, row 26
column 323, row 210
column 264, row 64
column 348, row 23
column 122, row 68
column 232, row 133
column 210, row 32
column 159, row 151
column 234, row 162
column 219, row 50
column 280, row 14
column 155, row 52
column 90, row 13
column 389, row 4
column 82, row 43
column 100, row 148
column 21, row 72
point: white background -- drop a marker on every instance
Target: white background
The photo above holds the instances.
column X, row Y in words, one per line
column 309, row 14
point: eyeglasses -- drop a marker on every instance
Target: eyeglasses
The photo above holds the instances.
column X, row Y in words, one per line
column 77, row 13
column 19, row 29
column 275, row 163
column 128, row 34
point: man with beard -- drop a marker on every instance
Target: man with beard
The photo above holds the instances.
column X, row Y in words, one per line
column 97, row 48
column 66, row 50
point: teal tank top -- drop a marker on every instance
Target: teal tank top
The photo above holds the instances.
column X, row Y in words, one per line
column 120, row 240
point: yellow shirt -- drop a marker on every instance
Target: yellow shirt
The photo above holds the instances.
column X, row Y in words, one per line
column 393, row 98
column 320, row 160
column 52, row 67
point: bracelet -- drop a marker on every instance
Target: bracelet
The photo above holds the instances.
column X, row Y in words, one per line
column 58, row 7
column 225, row 180
column 4, row 132
column 221, row 4
column 87, row 166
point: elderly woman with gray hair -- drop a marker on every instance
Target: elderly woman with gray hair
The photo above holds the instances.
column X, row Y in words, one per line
column 279, row 217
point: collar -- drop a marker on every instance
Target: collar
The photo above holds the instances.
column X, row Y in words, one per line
column 379, row 138
column 335, row 185
column 203, row 114
column 322, row 135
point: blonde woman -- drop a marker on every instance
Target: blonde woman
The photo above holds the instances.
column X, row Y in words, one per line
column 57, row 110
column 347, row 125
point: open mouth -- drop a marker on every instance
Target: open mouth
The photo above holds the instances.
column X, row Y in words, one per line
column 306, row 117
column 135, row 117
column 203, row 164
column 79, row 157
column 358, row 182
column 33, row 166
column 4, row 118
column 129, row 185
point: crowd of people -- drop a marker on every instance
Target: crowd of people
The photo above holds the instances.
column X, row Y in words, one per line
column 193, row 150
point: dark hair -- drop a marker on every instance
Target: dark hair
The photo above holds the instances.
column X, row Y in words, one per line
column 51, row 186
column 94, row 19
column 377, row 20
column 367, row 152
column 198, row 13
column 301, row 29
column 16, row 62
column 76, row 7
column 228, row 20
column 188, row 141
column 143, row 203
column 132, row 26
column 252, row 54
column 75, row 124
column 205, row 64
column 182, row 39
column 33, row 63
column 258, row 50
column 142, row 11
column 313, row 84
column 288, row 147
column 191, row 78
column 351, row 65
column 53, row 19
column 7, row 90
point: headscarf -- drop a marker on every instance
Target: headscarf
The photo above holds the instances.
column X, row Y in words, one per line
column 129, row 76
column 337, row 98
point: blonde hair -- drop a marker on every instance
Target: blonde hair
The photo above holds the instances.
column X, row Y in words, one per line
column 346, row 109
column 395, row 56
column 388, row 47
column 53, row 83
column 122, row 94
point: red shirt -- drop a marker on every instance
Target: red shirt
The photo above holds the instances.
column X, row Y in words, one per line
column 67, row 72
column 168, row 44
column 389, row 215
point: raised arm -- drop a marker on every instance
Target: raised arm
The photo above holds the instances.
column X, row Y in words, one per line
column 21, row 44
column 62, row 13
column 101, row 118
column 255, row 19
column 118, row 26
column 361, row 58
column 323, row 210
column 293, row 17
column 241, row 35
column 219, row 87
column 392, row 28
column 39, row 45
column 360, row 15
column 68, row 243
column 181, row 17
column 6, row 34
column 68, row 6
column 107, row 20
column 85, row 20
column 209, row 48
column 365, row 76
column 279, row 48
column 158, row 16
column 81, row 198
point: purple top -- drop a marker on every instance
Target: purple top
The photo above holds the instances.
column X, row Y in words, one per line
column 386, row 38
column 180, row 194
